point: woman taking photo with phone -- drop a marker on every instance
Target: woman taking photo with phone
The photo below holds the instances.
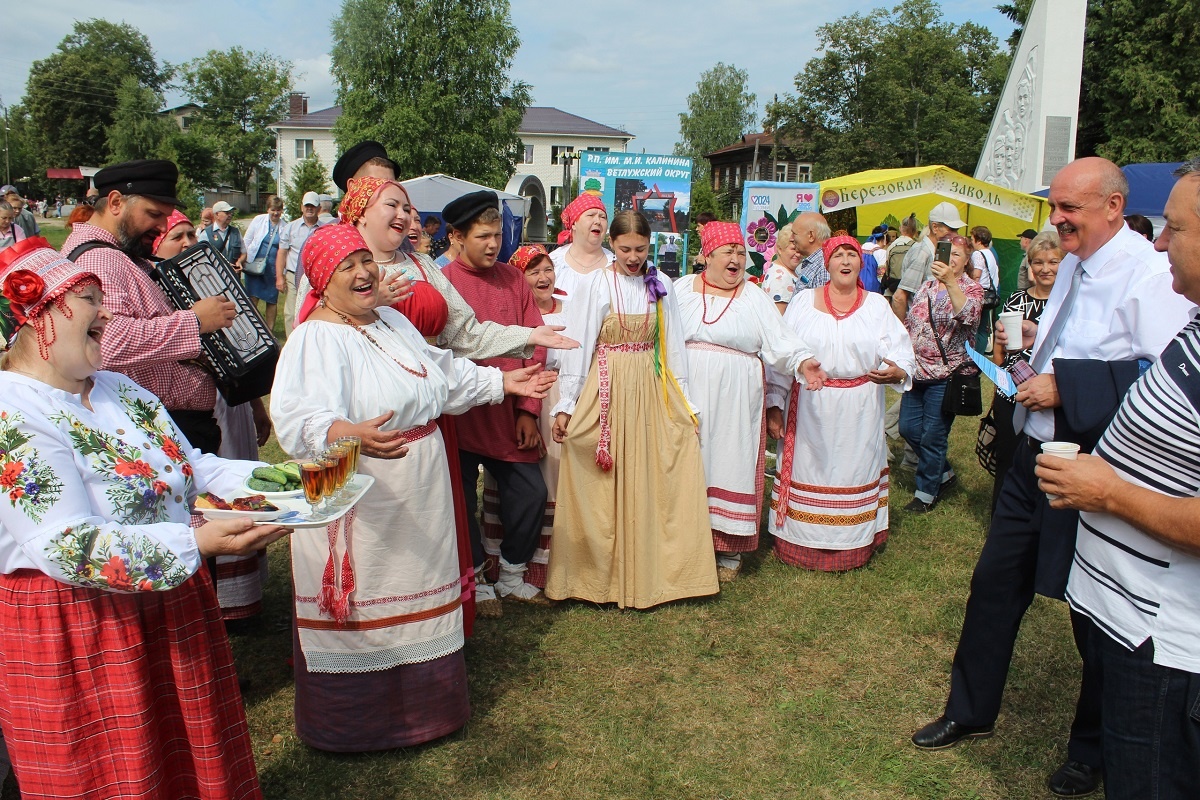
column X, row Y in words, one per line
column 941, row 322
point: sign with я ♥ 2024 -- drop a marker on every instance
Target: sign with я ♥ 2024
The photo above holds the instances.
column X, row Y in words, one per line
column 766, row 207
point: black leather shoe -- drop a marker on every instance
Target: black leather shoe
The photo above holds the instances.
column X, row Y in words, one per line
column 943, row 733
column 1074, row 779
column 916, row 506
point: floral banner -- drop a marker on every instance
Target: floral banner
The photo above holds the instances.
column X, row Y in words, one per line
column 766, row 207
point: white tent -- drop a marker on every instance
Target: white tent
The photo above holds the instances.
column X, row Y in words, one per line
column 431, row 193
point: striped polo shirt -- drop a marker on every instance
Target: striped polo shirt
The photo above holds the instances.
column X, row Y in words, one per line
column 1133, row 586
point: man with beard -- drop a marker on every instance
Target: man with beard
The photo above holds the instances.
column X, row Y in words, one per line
column 1110, row 314
column 148, row 339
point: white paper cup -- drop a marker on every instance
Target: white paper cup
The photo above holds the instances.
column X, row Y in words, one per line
column 1067, row 450
column 1011, row 320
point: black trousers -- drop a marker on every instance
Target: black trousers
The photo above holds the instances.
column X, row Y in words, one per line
column 522, row 493
column 1029, row 549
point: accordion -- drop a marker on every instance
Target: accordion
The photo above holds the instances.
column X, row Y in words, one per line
column 242, row 357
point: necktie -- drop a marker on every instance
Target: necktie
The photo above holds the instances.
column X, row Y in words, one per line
column 1042, row 357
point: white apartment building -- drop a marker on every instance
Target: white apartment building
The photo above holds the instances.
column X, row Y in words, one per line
column 548, row 135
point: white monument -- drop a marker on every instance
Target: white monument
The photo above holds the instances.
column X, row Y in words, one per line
column 1033, row 132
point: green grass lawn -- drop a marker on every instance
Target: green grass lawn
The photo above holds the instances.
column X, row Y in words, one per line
column 788, row 684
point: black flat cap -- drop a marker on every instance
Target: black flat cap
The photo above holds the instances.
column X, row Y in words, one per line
column 460, row 213
column 354, row 158
column 1028, row 233
column 146, row 177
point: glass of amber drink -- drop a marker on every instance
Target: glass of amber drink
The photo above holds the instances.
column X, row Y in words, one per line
column 341, row 473
column 329, row 468
column 354, row 445
column 312, row 478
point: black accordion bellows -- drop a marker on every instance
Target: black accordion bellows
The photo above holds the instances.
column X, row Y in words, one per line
column 242, row 358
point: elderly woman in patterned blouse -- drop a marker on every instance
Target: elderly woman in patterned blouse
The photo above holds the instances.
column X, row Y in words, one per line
column 103, row 611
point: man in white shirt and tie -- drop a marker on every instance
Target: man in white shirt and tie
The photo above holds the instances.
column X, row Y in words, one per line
column 1111, row 308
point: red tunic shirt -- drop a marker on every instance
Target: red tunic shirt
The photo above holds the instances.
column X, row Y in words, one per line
column 499, row 294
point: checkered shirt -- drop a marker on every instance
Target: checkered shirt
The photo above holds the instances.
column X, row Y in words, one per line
column 148, row 339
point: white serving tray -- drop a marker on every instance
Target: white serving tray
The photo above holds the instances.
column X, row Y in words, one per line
column 297, row 511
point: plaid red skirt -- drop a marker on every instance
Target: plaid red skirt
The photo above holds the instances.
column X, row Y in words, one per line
column 728, row 543
column 828, row 560
column 120, row 695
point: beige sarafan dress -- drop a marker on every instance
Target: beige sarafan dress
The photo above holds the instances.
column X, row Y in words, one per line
column 636, row 534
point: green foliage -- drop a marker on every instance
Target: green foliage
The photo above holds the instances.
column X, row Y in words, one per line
column 240, row 93
column 22, row 158
column 429, row 80
column 138, row 129
column 1140, row 94
column 896, row 88
column 720, row 111
column 72, row 94
column 307, row 176
column 1140, row 98
column 1018, row 12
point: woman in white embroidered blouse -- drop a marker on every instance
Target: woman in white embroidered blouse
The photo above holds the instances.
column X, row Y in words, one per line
column 96, row 536
column 379, row 626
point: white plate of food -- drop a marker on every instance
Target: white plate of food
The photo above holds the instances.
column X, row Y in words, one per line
column 255, row 507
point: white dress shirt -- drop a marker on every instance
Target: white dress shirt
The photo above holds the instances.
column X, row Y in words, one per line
column 1125, row 310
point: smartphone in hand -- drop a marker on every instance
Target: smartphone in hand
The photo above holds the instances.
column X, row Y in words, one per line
column 942, row 252
column 1021, row 371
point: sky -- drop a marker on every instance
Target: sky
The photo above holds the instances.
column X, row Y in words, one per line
column 625, row 63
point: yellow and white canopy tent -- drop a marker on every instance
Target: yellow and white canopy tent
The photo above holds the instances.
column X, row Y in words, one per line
column 888, row 195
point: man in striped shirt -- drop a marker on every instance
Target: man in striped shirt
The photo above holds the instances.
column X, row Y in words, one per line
column 1111, row 309
column 1136, row 572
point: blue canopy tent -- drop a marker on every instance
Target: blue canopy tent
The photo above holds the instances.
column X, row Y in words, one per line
column 1149, row 186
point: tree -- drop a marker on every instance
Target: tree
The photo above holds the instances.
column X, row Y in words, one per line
column 71, row 94
column 895, row 88
column 720, row 111
column 240, row 93
column 138, row 130
column 307, row 176
column 429, row 80
column 1139, row 99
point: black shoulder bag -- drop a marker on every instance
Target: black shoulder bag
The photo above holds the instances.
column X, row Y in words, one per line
column 963, row 396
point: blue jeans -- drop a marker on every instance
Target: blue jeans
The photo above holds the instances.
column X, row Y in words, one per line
column 1151, row 718
column 927, row 431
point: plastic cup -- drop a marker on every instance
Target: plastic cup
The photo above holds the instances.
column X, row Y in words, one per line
column 1067, row 450
column 1011, row 320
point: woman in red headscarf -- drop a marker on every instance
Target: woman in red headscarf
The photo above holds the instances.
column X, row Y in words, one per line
column 378, row 648
column 829, row 506
column 580, row 252
column 115, row 670
column 381, row 212
column 732, row 330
